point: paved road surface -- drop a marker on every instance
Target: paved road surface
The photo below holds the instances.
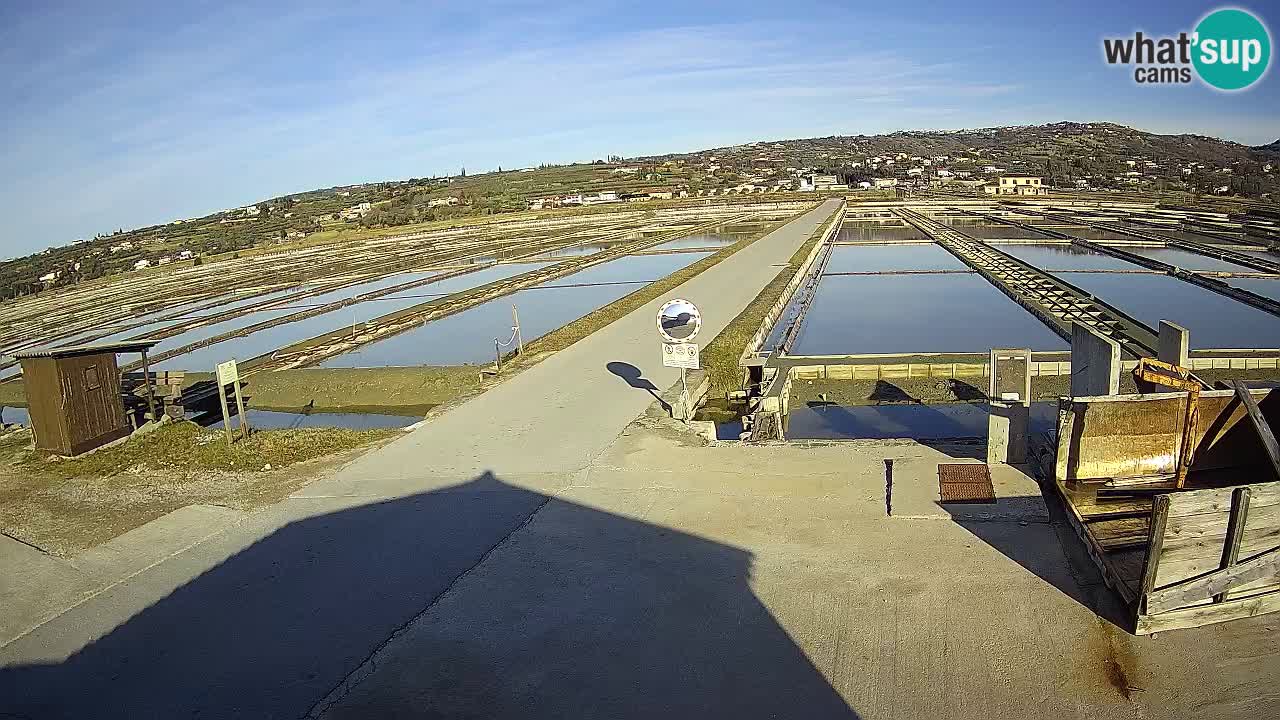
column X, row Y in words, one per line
column 266, row 618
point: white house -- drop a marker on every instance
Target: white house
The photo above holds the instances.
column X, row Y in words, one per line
column 604, row 196
column 142, row 264
column 1015, row 185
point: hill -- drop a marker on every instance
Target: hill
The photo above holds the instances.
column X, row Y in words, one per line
column 1067, row 154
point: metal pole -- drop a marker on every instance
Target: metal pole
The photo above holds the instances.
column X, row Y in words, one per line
column 684, row 397
column 353, row 322
column 515, row 319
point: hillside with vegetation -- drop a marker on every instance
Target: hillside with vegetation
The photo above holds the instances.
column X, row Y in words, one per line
column 1066, row 154
column 1094, row 156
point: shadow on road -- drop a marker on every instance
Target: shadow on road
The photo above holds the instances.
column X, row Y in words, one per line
column 634, row 378
column 1049, row 550
column 575, row 613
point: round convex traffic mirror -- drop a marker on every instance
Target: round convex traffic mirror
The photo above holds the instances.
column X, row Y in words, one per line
column 679, row 321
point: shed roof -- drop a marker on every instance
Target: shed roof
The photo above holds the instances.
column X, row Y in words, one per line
column 127, row 346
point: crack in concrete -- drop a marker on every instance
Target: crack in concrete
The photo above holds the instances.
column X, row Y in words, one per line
column 369, row 665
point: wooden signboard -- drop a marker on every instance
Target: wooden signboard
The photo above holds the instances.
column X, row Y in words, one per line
column 228, row 374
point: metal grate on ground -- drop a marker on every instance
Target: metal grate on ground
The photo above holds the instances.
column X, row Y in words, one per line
column 965, row 482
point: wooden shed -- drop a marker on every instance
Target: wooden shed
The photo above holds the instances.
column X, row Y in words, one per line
column 73, row 395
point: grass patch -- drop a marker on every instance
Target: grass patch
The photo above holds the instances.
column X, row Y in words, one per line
column 350, row 389
column 573, row 332
column 720, row 356
column 66, row 506
column 185, row 447
column 13, row 393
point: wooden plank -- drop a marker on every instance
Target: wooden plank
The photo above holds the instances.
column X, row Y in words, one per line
column 1096, row 553
column 1126, row 565
column 1206, row 556
column 1138, row 435
column 1260, row 424
column 1159, row 518
column 1201, row 587
column 1235, row 531
column 1116, row 532
column 1210, row 500
column 1233, row 609
column 1202, row 525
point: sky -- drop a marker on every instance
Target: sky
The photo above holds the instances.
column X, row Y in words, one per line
column 124, row 114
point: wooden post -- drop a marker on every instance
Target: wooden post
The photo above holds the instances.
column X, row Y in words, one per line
column 1155, row 545
column 1235, row 531
column 226, row 414
column 1260, row 425
column 226, row 373
column 244, row 419
column 151, row 395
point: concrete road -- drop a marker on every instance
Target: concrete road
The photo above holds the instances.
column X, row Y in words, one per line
column 268, row 616
column 558, row 415
column 770, row 582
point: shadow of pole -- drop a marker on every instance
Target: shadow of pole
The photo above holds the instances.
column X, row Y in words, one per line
column 633, row 377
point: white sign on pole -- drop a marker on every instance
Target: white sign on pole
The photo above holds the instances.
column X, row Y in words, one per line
column 227, row 373
column 680, row 355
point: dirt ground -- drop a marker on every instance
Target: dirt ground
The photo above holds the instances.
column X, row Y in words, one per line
column 940, row 390
column 64, row 506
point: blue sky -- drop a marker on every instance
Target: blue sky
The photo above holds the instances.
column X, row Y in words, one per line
column 124, row 114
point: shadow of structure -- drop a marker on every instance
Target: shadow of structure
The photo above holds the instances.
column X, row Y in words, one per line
column 577, row 613
column 1048, row 549
column 887, row 392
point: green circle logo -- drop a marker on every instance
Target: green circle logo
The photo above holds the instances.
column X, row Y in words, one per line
column 1232, row 49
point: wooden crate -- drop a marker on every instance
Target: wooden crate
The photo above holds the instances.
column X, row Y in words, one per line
column 1180, row 558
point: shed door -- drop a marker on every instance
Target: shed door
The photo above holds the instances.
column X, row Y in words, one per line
column 91, row 396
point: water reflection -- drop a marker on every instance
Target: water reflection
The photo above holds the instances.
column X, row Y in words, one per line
column 1065, row 256
column 1266, row 287
column 1188, row 260
column 467, row 337
column 873, row 232
column 268, row 339
column 916, row 313
column 1215, row 321
column 891, row 258
column 886, row 422
column 719, row 238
